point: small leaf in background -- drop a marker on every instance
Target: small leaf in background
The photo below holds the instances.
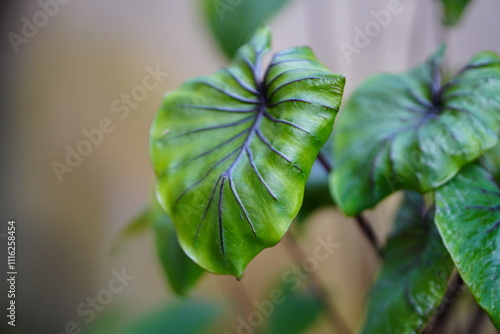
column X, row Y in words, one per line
column 105, row 323
column 296, row 311
column 232, row 151
column 413, row 131
column 414, row 275
column 186, row 317
column 233, row 22
column 136, row 226
column 316, row 194
column 182, row 273
column 468, row 218
column 181, row 317
column 453, row 10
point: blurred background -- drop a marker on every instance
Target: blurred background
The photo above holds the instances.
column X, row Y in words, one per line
column 64, row 79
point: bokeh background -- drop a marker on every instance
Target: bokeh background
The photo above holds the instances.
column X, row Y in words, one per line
column 64, row 80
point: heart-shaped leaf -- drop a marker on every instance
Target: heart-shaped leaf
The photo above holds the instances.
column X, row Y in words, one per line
column 232, row 151
column 468, row 218
column 414, row 276
column 411, row 131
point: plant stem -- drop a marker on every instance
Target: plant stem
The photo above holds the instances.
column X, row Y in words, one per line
column 317, row 286
column 369, row 233
column 362, row 222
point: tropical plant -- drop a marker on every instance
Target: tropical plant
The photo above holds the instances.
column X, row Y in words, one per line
column 233, row 151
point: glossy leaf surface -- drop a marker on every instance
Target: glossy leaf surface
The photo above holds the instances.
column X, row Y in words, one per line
column 468, row 218
column 232, row 151
column 232, row 22
column 414, row 275
column 412, row 131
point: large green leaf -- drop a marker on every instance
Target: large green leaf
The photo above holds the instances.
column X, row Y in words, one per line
column 452, row 10
column 232, row 151
column 411, row 131
column 468, row 218
column 233, row 22
column 414, row 276
column 182, row 273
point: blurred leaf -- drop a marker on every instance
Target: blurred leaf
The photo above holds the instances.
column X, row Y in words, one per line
column 294, row 311
column 453, row 10
column 187, row 317
column 233, row 22
column 468, row 218
column 412, row 131
column 105, row 323
column 316, row 194
column 181, row 271
column 491, row 161
column 232, row 151
column 414, row 275
column 136, row 226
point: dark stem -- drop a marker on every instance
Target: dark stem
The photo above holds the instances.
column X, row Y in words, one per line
column 455, row 287
column 362, row 222
column 297, row 255
column 369, row 233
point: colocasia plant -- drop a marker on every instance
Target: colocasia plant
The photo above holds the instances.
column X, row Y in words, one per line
column 232, row 152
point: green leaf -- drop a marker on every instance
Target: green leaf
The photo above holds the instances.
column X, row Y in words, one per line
column 232, row 151
column 452, row 11
column 136, row 226
column 468, row 218
column 233, row 22
column 295, row 310
column 491, row 161
column 414, row 276
column 316, row 194
column 182, row 273
column 412, row 131
column 187, row 317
